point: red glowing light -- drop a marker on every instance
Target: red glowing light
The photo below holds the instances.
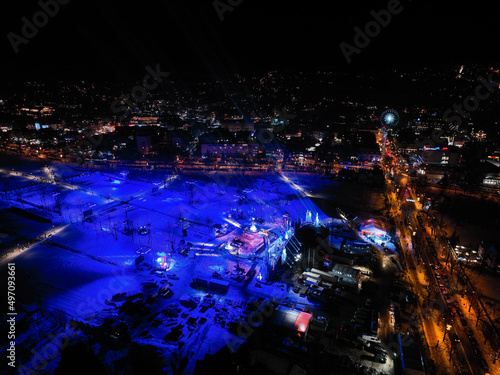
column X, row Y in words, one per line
column 302, row 321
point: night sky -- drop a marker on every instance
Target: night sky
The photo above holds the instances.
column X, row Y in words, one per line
column 115, row 41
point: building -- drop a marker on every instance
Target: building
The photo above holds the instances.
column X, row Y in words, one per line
column 340, row 273
column 235, row 150
column 407, row 148
column 326, row 277
column 274, row 152
column 291, row 319
column 492, row 180
column 302, row 158
column 141, row 121
column 479, row 136
column 440, row 155
column 490, row 256
column 424, row 122
column 237, row 126
column 433, row 174
column 491, row 171
column 347, row 275
column 366, row 155
column 373, row 227
column 411, row 357
column 144, row 144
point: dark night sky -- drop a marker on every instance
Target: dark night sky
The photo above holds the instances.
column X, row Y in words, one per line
column 117, row 40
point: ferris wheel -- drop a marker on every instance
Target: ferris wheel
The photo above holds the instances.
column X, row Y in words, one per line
column 389, row 118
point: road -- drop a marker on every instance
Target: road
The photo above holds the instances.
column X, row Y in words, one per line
column 418, row 253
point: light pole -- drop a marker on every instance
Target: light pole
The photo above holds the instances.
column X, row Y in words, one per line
column 447, row 328
column 494, row 355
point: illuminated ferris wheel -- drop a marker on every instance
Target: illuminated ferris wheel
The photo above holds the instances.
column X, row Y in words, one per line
column 389, row 118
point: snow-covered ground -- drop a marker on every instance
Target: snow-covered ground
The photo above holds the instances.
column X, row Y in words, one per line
column 80, row 268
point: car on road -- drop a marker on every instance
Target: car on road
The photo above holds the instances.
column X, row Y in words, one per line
column 454, row 337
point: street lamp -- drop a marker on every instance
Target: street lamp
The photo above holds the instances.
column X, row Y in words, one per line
column 448, row 327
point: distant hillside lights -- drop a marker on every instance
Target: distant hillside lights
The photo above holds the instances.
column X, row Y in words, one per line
column 30, row 29
column 372, row 29
column 266, row 136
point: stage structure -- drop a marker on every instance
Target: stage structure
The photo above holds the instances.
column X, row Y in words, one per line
column 308, row 217
column 281, row 251
column 284, row 249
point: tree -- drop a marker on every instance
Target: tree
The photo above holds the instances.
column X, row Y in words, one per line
column 43, row 196
column 171, row 234
column 454, row 239
column 112, row 228
column 59, row 199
